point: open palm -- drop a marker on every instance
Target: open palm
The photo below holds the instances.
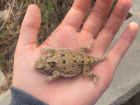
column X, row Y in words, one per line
column 77, row 90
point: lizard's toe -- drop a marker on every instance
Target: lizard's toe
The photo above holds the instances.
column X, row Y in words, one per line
column 48, row 79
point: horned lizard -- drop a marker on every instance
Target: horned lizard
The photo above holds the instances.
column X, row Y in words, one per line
column 67, row 63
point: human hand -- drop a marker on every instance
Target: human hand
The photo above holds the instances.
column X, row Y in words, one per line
column 77, row 90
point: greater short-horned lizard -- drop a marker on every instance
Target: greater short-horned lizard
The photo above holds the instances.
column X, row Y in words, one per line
column 67, row 63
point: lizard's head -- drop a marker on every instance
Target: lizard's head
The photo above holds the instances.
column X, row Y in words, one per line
column 40, row 63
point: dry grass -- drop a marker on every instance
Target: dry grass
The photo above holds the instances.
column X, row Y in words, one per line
column 53, row 12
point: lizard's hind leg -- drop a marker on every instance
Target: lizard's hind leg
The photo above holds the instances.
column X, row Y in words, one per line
column 87, row 74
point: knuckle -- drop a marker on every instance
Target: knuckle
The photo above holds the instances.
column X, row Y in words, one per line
column 118, row 15
column 110, row 29
column 98, row 14
column 79, row 8
column 33, row 27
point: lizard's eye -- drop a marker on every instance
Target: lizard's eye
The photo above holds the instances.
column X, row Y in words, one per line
column 63, row 55
column 75, row 61
column 89, row 62
column 64, row 61
column 52, row 63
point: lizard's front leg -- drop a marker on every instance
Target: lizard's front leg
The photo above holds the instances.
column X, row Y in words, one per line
column 87, row 74
column 83, row 49
column 55, row 75
column 51, row 51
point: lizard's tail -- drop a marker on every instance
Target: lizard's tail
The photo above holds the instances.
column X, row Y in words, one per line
column 100, row 59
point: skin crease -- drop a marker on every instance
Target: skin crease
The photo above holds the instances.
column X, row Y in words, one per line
column 78, row 90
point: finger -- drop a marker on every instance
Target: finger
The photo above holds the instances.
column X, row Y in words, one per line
column 119, row 49
column 97, row 17
column 113, row 24
column 30, row 26
column 77, row 13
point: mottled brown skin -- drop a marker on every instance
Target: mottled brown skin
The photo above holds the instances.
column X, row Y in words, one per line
column 67, row 63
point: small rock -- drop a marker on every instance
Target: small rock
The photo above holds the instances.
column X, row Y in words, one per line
column 2, row 78
column 4, row 14
column 5, row 98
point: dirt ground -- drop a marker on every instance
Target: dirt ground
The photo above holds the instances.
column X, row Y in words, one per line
column 53, row 12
